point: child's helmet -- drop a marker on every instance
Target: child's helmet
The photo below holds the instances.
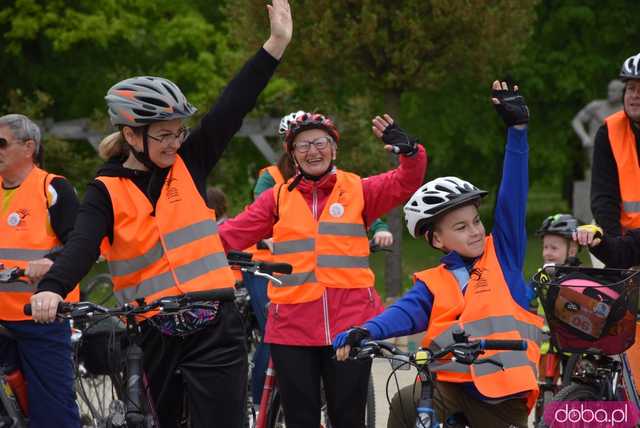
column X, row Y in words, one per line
column 559, row 224
column 435, row 198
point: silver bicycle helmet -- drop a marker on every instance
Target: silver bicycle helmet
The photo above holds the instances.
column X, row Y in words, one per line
column 436, row 198
column 631, row 68
column 139, row 101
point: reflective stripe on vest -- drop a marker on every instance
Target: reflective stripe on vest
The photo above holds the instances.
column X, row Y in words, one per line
column 29, row 236
column 623, row 146
column 508, row 359
column 485, row 311
column 172, row 250
column 173, row 240
column 332, row 251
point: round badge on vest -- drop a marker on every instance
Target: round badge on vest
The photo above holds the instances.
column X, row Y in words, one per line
column 336, row 209
column 13, row 220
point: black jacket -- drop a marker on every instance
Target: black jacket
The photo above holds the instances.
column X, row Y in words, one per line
column 605, row 187
column 201, row 151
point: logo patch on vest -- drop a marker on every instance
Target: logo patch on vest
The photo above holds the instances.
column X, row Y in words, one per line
column 13, row 219
column 336, row 210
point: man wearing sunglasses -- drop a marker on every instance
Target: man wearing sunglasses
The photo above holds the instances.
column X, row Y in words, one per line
column 37, row 213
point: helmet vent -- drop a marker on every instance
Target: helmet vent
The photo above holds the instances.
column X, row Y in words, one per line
column 170, row 90
column 150, row 87
column 154, row 102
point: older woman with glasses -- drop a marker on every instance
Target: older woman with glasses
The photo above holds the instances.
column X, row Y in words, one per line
column 318, row 220
column 146, row 214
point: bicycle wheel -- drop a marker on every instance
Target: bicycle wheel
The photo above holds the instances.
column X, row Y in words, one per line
column 370, row 415
column 574, row 392
column 275, row 418
column 98, row 401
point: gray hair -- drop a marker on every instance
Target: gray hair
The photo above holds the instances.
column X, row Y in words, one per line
column 23, row 129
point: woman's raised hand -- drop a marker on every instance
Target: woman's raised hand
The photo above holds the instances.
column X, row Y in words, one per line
column 281, row 28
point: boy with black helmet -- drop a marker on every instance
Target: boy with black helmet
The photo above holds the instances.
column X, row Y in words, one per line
column 479, row 287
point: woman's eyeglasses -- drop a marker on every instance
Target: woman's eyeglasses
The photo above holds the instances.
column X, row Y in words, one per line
column 169, row 137
column 318, row 143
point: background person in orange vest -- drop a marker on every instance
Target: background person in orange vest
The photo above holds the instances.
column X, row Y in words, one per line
column 146, row 211
column 615, row 194
column 37, row 212
column 479, row 286
column 318, row 220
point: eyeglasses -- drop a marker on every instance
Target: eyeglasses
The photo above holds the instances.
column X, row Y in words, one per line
column 4, row 143
column 318, row 143
column 168, row 137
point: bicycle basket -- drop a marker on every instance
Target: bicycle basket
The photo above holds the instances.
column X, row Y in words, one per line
column 589, row 310
column 101, row 347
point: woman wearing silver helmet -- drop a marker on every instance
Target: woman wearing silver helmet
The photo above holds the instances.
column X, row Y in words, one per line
column 145, row 212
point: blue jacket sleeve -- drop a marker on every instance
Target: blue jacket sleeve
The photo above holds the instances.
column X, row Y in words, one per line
column 409, row 315
column 509, row 231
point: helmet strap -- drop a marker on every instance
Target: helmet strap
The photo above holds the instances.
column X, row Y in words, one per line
column 143, row 157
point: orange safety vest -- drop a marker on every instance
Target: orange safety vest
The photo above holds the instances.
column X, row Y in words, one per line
column 623, row 146
column 171, row 251
column 274, row 172
column 330, row 252
column 26, row 235
column 486, row 310
column 265, row 255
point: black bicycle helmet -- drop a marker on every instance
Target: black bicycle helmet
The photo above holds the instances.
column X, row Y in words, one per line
column 559, row 224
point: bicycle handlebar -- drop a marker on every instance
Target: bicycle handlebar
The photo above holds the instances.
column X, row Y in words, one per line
column 12, row 274
column 471, row 349
column 167, row 304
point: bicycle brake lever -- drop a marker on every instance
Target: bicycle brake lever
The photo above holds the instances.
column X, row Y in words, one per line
column 266, row 275
column 491, row 361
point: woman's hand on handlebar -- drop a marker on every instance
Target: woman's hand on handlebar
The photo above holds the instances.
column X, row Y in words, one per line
column 44, row 306
column 588, row 235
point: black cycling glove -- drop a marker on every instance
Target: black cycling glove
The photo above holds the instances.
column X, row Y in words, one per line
column 512, row 108
column 401, row 142
column 356, row 335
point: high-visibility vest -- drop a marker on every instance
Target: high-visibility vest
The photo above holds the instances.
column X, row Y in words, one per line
column 623, row 146
column 26, row 235
column 330, row 252
column 487, row 311
column 258, row 254
column 274, row 172
column 170, row 251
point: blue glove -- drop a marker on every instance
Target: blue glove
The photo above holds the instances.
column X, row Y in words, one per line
column 352, row 337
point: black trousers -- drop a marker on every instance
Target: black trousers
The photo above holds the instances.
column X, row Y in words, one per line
column 213, row 366
column 299, row 370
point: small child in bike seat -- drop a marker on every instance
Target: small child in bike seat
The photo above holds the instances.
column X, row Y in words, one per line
column 478, row 286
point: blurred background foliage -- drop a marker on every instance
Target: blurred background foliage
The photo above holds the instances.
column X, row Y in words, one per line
column 428, row 62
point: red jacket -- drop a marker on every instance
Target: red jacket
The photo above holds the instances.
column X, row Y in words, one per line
column 315, row 323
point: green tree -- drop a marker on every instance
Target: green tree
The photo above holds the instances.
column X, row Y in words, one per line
column 70, row 53
column 358, row 58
